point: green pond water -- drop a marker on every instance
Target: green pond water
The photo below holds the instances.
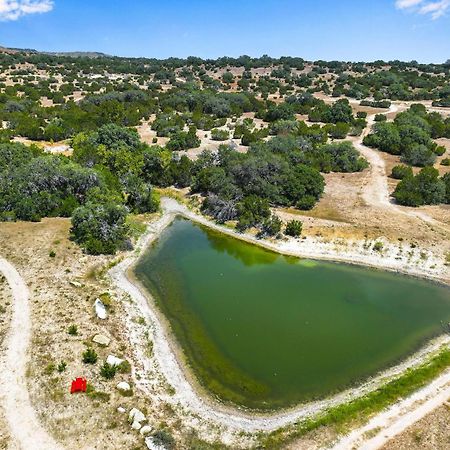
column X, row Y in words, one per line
column 267, row 331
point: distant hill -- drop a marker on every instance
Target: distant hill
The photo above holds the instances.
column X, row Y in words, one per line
column 12, row 51
column 78, row 54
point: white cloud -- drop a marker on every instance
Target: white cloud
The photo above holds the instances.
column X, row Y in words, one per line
column 14, row 9
column 404, row 4
column 435, row 9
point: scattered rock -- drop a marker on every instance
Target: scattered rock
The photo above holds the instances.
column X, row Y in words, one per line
column 146, row 429
column 136, row 425
column 101, row 339
column 114, row 360
column 76, row 284
column 123, row 386
column 136, row 416
column 100, row 309
column 121, row 409
column 151, row 445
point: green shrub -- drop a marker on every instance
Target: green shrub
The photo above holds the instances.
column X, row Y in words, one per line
column 124, row 367
column 108, row 371
column 163, row 439
column 271, row 226
column 294, row 228
column 50, row 368
column 73, row 330
column 61, row 367
column 52, row 254
column 90, row 356
column 100, row 228
column 426, row 188
column 378, row 246
column 98, row 395
column 445, row 162
column 401, row 171
column 306, row 203
column 252, row 211
column 219, row 135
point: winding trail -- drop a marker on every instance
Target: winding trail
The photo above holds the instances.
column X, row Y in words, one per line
column 375, row 191
column 24, row 427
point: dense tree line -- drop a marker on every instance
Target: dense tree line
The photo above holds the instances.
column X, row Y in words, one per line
column 95, row 193
column 112, row 172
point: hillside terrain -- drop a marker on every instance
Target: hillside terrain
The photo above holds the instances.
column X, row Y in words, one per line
column 344, row 161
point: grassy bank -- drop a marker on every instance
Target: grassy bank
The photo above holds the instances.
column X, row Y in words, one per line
column 361, row 409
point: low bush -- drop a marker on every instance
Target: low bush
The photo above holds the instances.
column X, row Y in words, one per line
column 401, row 171
column 73, row 330
column 219, row 135
column 380, row 118
column 294, row 228
column 108, row 371
column 378, row 246
column 164, row 439
column 90, row 356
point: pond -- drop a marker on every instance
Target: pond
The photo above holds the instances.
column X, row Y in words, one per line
column 266, row 331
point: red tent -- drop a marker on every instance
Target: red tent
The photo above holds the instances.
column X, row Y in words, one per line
column 78, row 385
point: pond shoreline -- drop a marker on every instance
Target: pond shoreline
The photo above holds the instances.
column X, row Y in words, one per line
column 170, row 360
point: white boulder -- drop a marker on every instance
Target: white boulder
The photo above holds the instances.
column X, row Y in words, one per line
column 101, row 339
column 136, row 425
column 146, row 429
column 136, row 416
column 123, row 386
column 114, row 360
column 121, row 409
column 100, row 309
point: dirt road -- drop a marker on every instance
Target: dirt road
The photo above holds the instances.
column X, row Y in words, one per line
column 398, row 417
column 24, row 426
column 375, row 190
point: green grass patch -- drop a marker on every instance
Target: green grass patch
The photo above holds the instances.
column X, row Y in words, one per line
column 361, row 409
column 136, row 225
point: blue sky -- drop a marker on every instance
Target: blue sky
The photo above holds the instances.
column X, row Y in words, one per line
column 356, row 30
